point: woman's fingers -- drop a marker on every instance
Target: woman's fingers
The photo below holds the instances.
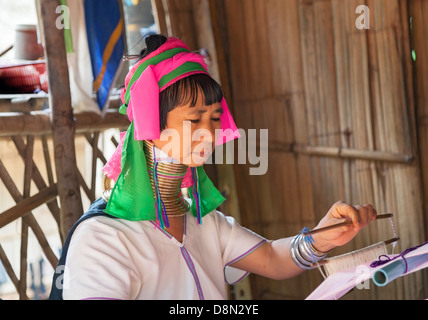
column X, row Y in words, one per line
column 366, row 214
column 360, row 215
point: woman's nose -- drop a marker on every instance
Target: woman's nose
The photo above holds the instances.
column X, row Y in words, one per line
column 205, row 133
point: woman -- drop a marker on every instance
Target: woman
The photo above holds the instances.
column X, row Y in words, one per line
column 145, row 239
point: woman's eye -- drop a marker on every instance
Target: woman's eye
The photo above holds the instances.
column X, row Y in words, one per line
column 199, row 120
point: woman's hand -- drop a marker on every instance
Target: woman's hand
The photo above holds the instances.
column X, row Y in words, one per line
column 273, row 259
column 360, row 216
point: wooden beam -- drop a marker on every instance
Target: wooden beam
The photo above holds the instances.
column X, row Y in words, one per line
column 38, row 122
column 8, row 267
column 28, row 218
column 338, row 152
column 41, row 238
column 22, row 290
column 23, row 102
column 62, row 117
column 36, row 176
column 27, row 205
column 159, row 16
column 17, row 123
column 38, row 102
column 91, row 122
column 419, row 42
column 48, row 163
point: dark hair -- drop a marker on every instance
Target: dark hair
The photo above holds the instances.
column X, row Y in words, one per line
column 184, row 91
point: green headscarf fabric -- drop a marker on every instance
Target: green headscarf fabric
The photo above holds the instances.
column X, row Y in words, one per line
column 132, row 197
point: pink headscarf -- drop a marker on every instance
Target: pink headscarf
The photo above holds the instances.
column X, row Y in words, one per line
column 143, row 105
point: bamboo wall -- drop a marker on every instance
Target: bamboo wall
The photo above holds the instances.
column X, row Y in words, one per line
column 346, row 113
column 418, row 10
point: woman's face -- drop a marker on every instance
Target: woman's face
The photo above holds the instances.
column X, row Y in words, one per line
column 189, row 135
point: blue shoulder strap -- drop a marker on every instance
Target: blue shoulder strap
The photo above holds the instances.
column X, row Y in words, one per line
column 96, row 209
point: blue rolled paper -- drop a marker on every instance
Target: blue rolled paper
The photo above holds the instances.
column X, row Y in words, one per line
column 397, row 269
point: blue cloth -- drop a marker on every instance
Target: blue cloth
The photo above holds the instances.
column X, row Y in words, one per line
column 103, row 20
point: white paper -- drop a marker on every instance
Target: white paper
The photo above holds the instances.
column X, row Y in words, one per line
column 338, row 284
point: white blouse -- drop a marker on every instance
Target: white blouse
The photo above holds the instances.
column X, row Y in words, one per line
column 134, row 260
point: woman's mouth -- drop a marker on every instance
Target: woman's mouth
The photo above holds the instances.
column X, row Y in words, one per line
column 200, row 154
column 200, row 157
